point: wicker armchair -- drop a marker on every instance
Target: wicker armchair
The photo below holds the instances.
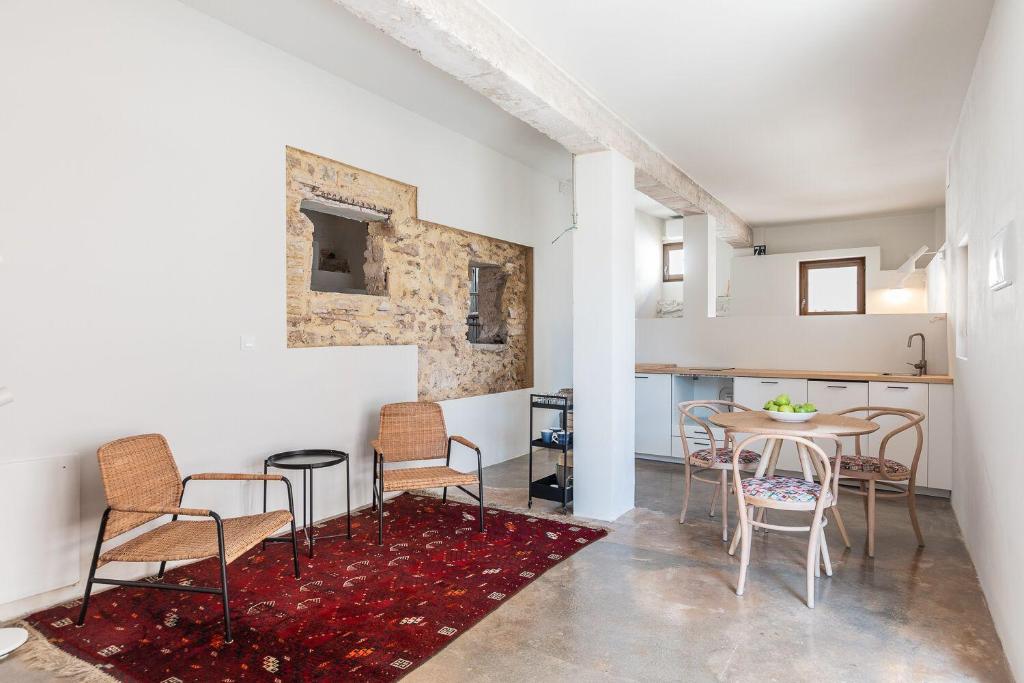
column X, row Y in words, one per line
column 416, row 431
column 142, row 483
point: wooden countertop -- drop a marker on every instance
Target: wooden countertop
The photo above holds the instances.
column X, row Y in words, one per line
column 667, row 369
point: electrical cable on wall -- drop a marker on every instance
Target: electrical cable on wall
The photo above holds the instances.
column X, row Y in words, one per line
column 572, row 184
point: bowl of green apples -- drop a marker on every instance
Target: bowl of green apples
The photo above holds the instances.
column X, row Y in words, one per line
column 782, row 409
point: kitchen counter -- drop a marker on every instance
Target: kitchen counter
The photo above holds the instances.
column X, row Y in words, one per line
column 838, row 376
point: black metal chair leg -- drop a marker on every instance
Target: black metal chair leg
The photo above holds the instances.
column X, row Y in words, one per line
column 92, row 567
column 348, row 501
column 264, row 547
column 223, row 578
column 481, row 500
column 174, row 518
column 380, row 509
column 295, row 538
column 444, row 496
column 374, row 507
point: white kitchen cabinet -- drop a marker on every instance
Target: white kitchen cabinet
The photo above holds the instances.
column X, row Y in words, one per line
column 834, row 397
column 940, row 436
column 653, row 414
column 754, row 392
column 901, row 447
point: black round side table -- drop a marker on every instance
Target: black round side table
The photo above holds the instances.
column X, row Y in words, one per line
column 307, row 461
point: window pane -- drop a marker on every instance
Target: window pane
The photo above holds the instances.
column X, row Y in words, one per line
column 832, row 289
column 675, row 262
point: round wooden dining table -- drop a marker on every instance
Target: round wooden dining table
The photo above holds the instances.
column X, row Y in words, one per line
column 821, row 425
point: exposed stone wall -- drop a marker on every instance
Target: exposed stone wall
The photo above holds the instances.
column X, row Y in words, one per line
column 419, row 272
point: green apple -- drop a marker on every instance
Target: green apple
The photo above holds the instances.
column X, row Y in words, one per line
column 782, row 400
column 810, row 408
column 787, row 409
column 770, row 405
column 799, row 409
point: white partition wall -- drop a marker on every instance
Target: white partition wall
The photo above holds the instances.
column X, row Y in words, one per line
column 603, row 340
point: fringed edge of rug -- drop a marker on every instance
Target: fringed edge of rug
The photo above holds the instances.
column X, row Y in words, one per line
column 460, row 497
column 40, row 654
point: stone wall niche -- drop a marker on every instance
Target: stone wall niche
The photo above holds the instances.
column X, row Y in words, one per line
column 490, row 320
column 415, row 287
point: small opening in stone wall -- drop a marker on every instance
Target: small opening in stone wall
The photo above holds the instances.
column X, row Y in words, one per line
column 486, row 323
column 341, row 252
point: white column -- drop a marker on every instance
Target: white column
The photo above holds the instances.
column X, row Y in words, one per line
column 701, row 284
column 603, row 328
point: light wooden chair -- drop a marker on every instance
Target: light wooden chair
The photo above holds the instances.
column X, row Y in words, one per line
column 716, row 457
column 787, row 493
column 142, row 483
column 416, row 431
column 870, row 471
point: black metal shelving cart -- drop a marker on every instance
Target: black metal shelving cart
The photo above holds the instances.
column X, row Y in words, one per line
column 548, row 487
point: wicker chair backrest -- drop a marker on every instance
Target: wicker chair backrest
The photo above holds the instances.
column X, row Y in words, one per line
column 412, row 431
column 137, row 471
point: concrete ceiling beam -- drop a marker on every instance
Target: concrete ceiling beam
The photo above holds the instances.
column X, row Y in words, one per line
column 471, row 43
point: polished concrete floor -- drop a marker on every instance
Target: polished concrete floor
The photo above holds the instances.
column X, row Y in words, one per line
column 655, row 601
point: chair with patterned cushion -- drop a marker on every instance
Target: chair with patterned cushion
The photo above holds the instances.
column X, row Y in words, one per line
column 869, row 471
column 416, row 431
column 142, row 483
column 787, row 493
column 715, row 457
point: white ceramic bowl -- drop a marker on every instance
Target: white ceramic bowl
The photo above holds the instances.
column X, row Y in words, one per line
column 790, row 417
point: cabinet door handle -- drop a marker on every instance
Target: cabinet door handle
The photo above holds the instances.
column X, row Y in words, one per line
column 900, row 388
column 642, row 377
column 836, row 386
column 764, row 382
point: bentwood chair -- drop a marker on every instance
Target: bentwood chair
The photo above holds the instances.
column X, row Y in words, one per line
column 416, row 431
column 142, row 483
column 716, row 457
column 870, row 471
column 787, row 493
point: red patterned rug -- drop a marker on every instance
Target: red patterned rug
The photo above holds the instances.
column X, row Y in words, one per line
column 360, row 612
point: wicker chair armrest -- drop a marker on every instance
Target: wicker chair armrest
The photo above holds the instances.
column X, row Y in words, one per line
column 163, row 510
column 465, row 442
column 375, row 445
column 227, row 476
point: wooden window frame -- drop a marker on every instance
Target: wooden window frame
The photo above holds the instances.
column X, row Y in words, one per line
column 666, row 249
column 858, row 262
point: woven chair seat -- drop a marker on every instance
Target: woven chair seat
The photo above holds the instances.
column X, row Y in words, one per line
column 722, row 458
column 869, row 466
column 195, row 539
column 426, row 478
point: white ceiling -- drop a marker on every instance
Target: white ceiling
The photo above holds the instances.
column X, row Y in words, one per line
column 325, row 34
column 784, row 109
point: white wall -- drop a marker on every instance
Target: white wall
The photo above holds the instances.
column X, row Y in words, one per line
column 143, row 232
column 648, row 253
column 858, row 342
column 863, row 343
column 985, row 190
column 770, row 285
column 897, row 235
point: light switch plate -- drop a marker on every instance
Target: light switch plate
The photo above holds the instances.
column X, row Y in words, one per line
column 247, row 342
